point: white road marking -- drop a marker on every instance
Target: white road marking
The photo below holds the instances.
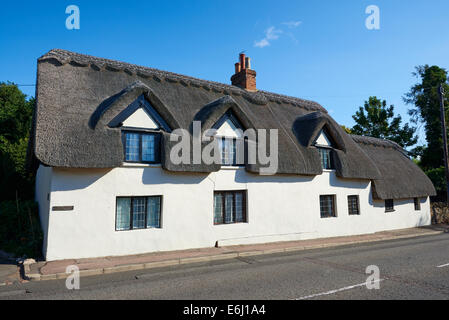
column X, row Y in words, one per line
column 444, row 265
column 336, row 291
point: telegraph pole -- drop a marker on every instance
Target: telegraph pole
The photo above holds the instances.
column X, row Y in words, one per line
column 444, row 133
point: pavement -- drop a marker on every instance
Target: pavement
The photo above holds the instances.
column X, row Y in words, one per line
column 408, row 269
column 9, row 272
column 98, row 266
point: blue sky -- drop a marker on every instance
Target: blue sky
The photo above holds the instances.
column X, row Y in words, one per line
column 319, row 50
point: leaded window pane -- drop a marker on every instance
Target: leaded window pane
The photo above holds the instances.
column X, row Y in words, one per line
column 153, row 212
column 325, row 155
column 228, row 151
column 239, row 215
column 132, row 147
column 138, row 213
column 417, row 204
column 123, row 214
column 229, row 208
column 353, row 205
column 142, row 147
column 389, row 205
column 327, row 206
column 218, row 208
column 148, row 148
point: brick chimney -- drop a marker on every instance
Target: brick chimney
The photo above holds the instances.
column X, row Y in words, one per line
column 244, row 76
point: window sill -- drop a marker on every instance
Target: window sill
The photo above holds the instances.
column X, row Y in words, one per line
column 145, row 229
column 229, row 224
column 231, row 168
column 141, row 165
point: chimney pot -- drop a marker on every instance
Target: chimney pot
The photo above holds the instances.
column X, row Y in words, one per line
column 244, row 76
column 237, row 67
column 242, row 61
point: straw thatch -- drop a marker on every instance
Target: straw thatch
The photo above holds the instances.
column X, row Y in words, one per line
column 401, row 177
column 79, row 95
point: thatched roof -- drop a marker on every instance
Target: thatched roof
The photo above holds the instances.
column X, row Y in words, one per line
column 401, row 177
column 79, row 95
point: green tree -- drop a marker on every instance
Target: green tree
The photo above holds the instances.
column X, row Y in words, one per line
column 15, row 124
column 346, row 129
column 376, row 119
column 424, row 96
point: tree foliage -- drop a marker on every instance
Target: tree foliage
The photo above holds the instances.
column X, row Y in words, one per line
column 346, row 129
column 377, row 119
column 15, row 124
column 424, row 96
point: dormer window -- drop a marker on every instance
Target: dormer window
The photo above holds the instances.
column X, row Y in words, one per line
column 141, row 130
column 326, row 158
column 142, row 147
column 325, row 147
column 230, row 139
column 228, row 151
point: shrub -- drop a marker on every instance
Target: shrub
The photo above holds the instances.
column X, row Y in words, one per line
column 440, row 212
column 438, row 177
column 20, row 229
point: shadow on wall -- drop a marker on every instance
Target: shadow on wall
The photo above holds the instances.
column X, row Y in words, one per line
column 242, row 176
column 376, row 203
column 423, row 221
column 427, row 219
column 335, row 181
column 79, row 178
column 150, row 176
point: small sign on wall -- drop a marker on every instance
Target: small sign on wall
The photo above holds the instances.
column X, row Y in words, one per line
column 63, row 208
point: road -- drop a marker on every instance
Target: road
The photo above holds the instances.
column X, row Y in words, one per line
column 415, row 268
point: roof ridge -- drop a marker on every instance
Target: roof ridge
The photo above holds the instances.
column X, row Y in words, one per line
column 376, row 141
column 66, row 57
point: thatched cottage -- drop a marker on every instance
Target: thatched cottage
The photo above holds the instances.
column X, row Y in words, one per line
column 107, row 184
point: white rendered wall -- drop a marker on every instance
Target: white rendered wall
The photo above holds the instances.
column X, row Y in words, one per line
column 140, row 119
column 228, row 129
column 322, row 140
column 279, row 209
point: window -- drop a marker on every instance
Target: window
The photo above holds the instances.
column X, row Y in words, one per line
column 142, row 147
column 229, row 207
column 232, row 151
column 148, row 148
column 417, row 204
column 230, row 137
column 353, row 205
column 327, row 206
column 325, row 146
column 326, row 158
column 389, row 205
column 228, row 151
column 134, row 213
